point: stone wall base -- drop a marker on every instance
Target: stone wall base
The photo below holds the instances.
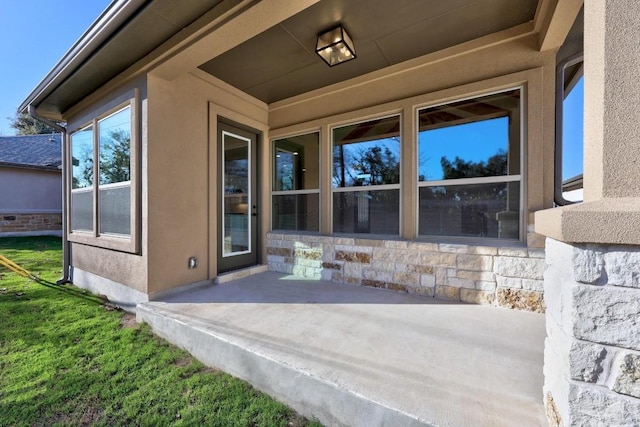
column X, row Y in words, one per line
column 508, row 277
column 30, row 222
column 592, row 350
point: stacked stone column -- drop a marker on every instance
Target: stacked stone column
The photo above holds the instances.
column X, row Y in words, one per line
column 592, row 349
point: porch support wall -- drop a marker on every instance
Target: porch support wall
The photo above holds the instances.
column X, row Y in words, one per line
column 592, row 352
column 181, row 173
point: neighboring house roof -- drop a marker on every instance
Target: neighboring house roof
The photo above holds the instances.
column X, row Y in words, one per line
column 574, row 183
column 31, row 151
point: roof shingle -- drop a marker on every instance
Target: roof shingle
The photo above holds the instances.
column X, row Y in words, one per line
column 33, row 151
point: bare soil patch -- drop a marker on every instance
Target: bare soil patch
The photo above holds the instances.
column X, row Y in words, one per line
column 128, row 321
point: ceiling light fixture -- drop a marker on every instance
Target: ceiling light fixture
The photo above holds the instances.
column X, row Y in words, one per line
column 335, row 46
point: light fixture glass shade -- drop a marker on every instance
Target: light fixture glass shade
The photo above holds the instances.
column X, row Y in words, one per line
column 335, row 46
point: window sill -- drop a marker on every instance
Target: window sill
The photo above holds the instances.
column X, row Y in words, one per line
column 114, row 243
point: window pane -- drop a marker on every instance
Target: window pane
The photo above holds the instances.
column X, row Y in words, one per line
column 115, row 165
column 481, row 210
column 374, row 212
column 115, row 141
column 115, row 208
column 367, row 153
column 573, row 139
column 82, row 158
column 82, row 180
column 472, row 138
column 297, row 212
column 296, row 163
column 236, row 161
column 82, row 209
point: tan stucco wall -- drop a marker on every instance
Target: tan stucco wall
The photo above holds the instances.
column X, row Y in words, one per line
column 30, row 190
column 180, row 180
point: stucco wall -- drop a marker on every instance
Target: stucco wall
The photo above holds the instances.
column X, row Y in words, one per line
column 495, row 274
column 181, row 152
column 30, row 190
column 182, row 174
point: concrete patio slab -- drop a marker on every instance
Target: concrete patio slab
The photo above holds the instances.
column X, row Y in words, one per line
column 349, row 355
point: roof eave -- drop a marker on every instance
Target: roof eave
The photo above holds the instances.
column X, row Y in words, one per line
column 30, row 167
column 117, row 13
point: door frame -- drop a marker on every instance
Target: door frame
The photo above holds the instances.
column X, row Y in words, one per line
column 256, row 123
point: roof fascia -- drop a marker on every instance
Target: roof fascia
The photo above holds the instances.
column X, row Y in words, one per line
column 553, row 20
column 173, row 48
column 29, row 167
column 206, row 23
column 117, row 13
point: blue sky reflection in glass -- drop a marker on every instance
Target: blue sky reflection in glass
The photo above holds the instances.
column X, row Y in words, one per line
column 475, row 142
column 573, row 132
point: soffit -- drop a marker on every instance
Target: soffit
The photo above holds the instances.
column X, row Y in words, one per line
column 281, row 62
column 149, row 27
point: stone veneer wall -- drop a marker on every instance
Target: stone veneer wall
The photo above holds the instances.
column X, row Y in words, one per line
column 508, row 277
column 592, row 349
column 26, row 222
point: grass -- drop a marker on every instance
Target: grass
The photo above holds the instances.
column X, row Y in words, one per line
column 67, row 358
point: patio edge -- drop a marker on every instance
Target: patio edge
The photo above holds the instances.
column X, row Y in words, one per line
column 310, row 396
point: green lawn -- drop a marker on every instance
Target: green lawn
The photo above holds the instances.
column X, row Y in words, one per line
column 66, row 358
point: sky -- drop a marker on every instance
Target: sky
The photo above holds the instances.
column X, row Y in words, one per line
column 34, row 35
column 573, row 132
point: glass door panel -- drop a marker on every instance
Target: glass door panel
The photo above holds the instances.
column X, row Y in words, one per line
column 236, row 199
column 236, row 194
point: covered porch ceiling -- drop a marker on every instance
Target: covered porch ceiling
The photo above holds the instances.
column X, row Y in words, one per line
column 280, row 62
